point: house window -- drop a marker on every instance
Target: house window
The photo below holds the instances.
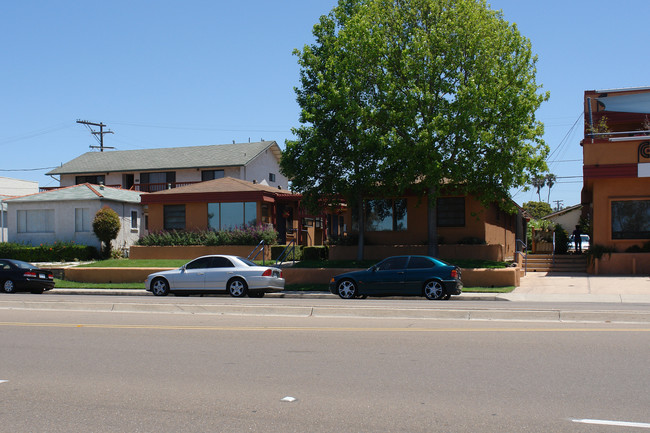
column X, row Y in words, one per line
column 211, row 174
column 81, row 220
column 271, row 177
column 631, row 219
column 134, row 219
column 36, row 221
column 386, row 215
column 227, row 216
column 95, row 179
column 4, row 219
column 152, row 182
column 174, row 217
column 451, row 211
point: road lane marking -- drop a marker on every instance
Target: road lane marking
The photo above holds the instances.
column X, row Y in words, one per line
column 612, row 423
column 310, row 329
column 3, row 381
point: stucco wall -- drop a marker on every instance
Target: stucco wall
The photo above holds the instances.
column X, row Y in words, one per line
column 259, row 168
column 621, row 264
column 447, row 252
column 192, row 252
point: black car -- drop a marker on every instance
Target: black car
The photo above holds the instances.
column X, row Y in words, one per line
column 401, row 276
column 16, row 275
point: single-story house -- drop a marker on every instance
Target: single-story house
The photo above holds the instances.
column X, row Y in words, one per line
column 66, row 214
column 568, row 218
column 150, row 170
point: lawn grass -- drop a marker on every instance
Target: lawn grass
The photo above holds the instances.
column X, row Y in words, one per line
column 64, row 284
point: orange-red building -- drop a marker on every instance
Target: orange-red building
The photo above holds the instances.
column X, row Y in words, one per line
column 616, row 170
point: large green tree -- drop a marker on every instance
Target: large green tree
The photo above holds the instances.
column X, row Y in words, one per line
column 446, row 94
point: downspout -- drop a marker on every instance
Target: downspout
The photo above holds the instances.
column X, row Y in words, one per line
column 2, row 220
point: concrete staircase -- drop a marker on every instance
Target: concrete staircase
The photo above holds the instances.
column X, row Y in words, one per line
column 569, row 263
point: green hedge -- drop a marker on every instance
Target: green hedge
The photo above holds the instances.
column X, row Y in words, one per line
column 276, row 250
column 57, row 252
column 315, row 253
column 248, row 235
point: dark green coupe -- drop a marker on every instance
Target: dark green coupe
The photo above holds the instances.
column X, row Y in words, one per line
column 401, row 276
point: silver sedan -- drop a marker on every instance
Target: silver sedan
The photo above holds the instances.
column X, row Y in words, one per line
column 217, row 274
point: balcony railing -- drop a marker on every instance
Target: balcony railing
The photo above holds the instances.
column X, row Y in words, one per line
column 142, row 187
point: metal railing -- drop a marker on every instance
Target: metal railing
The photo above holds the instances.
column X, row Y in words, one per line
column 524, row 253
column 257, row 252
column 289, row 249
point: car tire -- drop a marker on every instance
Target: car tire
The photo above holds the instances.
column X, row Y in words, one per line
column 160, row 287
column 347, row 289
column 8, row 286
column 237, row 288
column 256, row 294
column 433, row 290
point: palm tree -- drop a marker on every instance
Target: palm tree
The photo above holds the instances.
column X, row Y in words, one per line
column 550, row 181
column 539, row 183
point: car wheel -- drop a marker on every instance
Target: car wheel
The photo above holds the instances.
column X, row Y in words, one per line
column 8, row 287
column 347, row 289
column 256, row 294
column 160, row 287
column 237, row 287
column 433, row 290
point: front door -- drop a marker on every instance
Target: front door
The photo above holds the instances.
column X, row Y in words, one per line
column 387, row 278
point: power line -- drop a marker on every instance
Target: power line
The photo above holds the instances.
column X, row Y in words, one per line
column 27, row 169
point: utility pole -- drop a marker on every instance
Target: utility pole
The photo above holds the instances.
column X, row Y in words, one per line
column 95, row 134
column 558, row 204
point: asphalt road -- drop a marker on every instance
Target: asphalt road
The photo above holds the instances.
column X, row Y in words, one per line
column 80, row 371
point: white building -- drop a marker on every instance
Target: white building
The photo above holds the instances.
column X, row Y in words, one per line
column 12, row 188
column 151, row 170
column 66, row 215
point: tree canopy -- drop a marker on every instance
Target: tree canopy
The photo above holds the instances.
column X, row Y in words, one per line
column 416, row 94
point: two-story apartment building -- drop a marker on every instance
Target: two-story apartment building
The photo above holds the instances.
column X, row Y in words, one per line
column 616, row 170
column 150, row 170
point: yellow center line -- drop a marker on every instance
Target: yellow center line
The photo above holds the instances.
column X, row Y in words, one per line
column 307, row 328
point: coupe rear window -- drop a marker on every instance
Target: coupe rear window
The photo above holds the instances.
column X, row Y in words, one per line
column 420, row 263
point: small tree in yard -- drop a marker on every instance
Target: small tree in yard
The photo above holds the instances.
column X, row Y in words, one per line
column 106, row 226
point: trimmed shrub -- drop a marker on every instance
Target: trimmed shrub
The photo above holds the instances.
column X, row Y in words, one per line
column 276, row 251
column 106, row 226
column 315, row 253
column 561, row 240
column 56, row 252
column 246, row 235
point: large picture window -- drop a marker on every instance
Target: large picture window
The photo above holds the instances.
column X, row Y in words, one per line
column 36, row 221
column 94, row 179
column 631, row 219
column 211, row 174
column 386, row 215
column 451, row 211
column 174, row 217
column 227, row 216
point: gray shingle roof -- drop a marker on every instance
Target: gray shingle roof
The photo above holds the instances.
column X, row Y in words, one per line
column 223, row 155
column 84, row 191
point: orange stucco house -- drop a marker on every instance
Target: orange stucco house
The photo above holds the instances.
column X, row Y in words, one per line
column 227, row 202
column 616, row 173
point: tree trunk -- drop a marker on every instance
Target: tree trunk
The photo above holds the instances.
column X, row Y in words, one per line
column 362, row 227
column 432, row 223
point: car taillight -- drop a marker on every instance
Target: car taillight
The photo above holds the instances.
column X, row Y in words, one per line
column 268, row 273
column 29, row 275
column 454, row 273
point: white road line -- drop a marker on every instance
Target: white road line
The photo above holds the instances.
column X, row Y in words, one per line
column 3, row 381
column 614, row 423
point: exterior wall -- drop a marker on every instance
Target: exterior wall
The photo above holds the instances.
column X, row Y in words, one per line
column 11, row 188
column 259, row 168
column 604, row 192
column 622, row 264
column 64, row 223
column 447, row 252
column 192, row 252
column 568, row 220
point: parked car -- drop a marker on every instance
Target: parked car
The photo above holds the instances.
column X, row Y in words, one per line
column 572, row 245
column 17, row 276
column 217, row 274
column 401, row 276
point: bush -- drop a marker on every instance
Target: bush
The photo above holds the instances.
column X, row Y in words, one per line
column 344, row 241
column 637, row 249
column 561, row 240
column 315, row 253
column 56, row 252
column 276, row 251
column 106, row 226
column 246, row 235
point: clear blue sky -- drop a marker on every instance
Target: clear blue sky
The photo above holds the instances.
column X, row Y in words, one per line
column 164, row 74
